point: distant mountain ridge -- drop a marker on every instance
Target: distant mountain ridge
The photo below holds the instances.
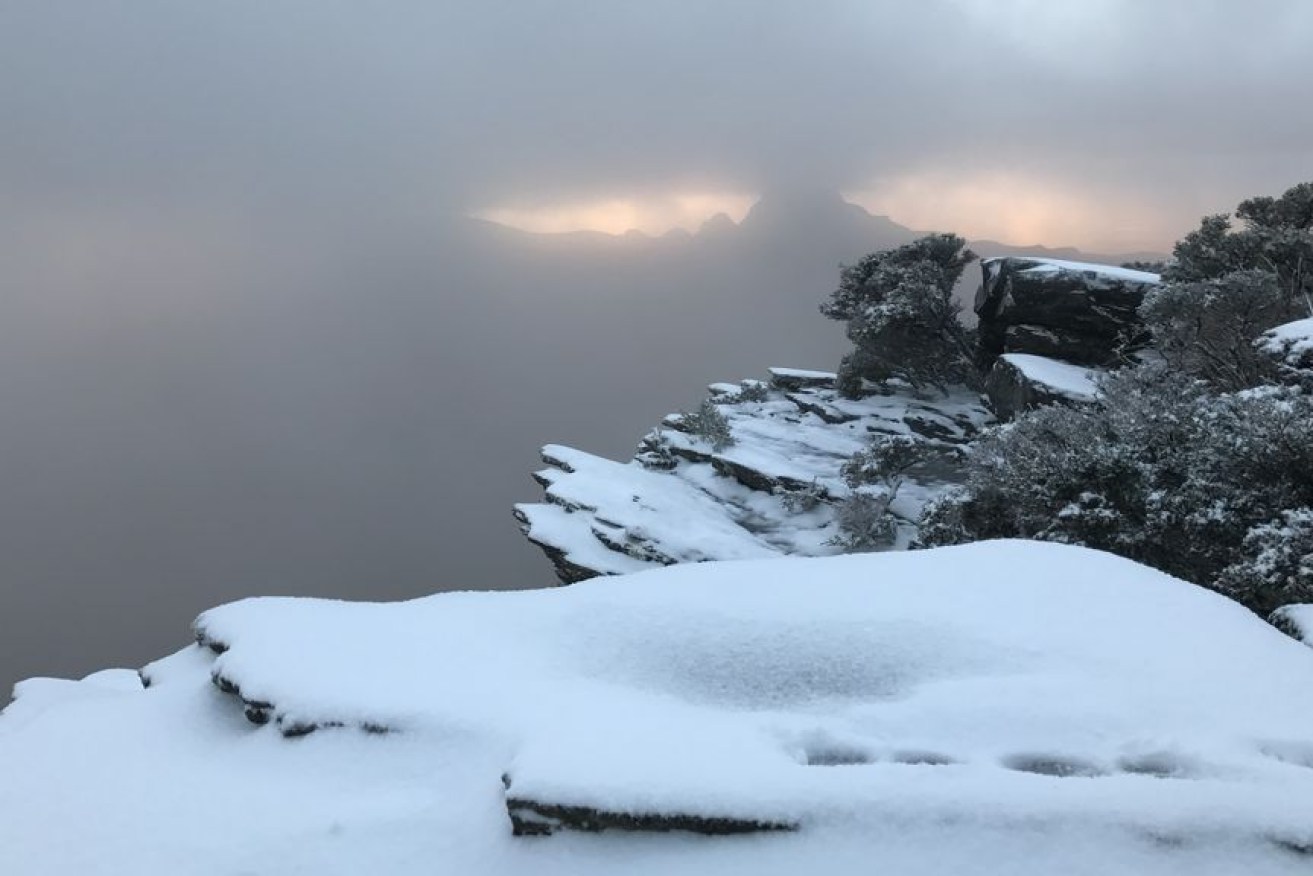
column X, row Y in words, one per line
column 850, row 229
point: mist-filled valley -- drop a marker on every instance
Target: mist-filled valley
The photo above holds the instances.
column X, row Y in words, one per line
column 350, row 408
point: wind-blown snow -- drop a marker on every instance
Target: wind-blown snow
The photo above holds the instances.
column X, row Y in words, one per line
column 1003, row 707
column 1061, row 378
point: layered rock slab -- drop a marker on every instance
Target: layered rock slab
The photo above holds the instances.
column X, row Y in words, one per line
column 771, row 492
column 1075, row 311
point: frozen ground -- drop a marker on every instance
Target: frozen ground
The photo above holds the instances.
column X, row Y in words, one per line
column 1004, row 707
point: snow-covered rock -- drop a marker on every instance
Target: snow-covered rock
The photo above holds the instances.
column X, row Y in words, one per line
column 1078, row 312
column 1002, row 707
column 1020, row 380
column 771, row 492
column 1290, row 346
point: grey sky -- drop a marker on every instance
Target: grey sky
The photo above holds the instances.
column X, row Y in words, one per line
column 248, row 345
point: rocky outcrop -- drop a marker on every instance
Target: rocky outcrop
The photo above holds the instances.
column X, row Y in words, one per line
column 774, row 490
column 1019, row 381
column 1074, row 311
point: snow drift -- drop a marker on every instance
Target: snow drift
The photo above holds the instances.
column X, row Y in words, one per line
column 1003, row 707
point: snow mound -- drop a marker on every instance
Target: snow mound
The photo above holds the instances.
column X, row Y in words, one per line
column 1003, row 707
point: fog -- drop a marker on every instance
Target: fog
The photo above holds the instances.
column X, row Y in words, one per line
column 252, row 342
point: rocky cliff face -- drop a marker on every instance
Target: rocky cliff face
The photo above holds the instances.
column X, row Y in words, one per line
column 1046, row 327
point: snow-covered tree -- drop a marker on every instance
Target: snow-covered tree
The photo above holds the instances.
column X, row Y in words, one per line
column 1275, row 235
column 875, row 474
column 901, row 315
column 1208, row 327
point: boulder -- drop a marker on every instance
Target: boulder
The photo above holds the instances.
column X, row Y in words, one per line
column 1019, row 381
column 1083, row 313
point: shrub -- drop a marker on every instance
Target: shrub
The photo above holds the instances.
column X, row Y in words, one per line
column 1208, row 327
column 1158, row 470
column 709, row 424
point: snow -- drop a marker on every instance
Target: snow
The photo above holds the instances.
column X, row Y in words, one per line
column 1062, row 378
column 802, row 374
column 1045, row 265
column 1290, row 341
column 955, row 683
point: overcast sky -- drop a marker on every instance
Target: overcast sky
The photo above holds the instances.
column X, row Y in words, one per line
column 1114, row 121
column 244, row 347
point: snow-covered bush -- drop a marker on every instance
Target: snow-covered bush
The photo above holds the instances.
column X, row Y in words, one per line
column 1208, row 327
column 884, row 462
column 865, row 523
column 1276, row 565
column 709, row 424
column 752, row 391
column 901, row 315
column 875, row 475
column 800, row 500
column 1159, row 470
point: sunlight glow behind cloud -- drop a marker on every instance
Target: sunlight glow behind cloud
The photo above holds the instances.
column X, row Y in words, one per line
column 1018, row 209
column 650, row 215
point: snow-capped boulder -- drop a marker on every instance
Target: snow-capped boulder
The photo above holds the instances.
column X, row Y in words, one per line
column 1076, row 311
column 1003, row 707
column 773, row 490
column 1019, row 381
column 1290, row 346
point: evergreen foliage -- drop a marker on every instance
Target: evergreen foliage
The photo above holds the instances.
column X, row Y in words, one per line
column 1207, row 327
column 709, row 424
column 1275, row 235
column 901, row 315
column 1159, row 470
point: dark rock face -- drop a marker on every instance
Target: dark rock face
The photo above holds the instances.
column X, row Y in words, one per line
column 1086, row 314
column 538, row 818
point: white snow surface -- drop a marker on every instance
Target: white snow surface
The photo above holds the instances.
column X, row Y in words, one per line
column 802, row 373
column 1044, row 265
column 1062, row 378
column 1182, row 722
column 1292, row 340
